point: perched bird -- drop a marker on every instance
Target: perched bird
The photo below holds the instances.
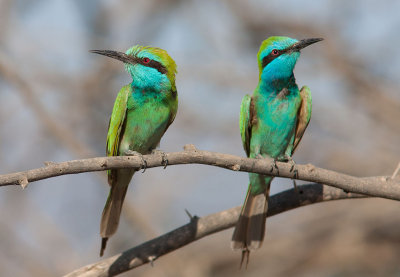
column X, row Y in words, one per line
column 272, row 123
column 142, row 113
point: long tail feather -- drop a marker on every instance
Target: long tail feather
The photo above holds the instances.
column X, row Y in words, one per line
column 250, row 228
column 112, row 209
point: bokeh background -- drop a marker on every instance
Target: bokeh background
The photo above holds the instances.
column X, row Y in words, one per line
column 56, row 99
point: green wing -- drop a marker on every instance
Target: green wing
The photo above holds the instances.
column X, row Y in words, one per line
column 116, row 122
column 304, row 115
column 245, row 122
column 173, row 108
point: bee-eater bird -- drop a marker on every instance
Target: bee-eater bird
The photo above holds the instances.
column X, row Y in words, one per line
column 142, row 113
column 272, row 123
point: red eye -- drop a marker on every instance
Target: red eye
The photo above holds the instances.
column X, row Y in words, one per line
column 275, row 52
column 146, row 60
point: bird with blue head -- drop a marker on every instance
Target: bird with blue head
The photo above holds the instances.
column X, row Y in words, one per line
column 272, row 123
column 143, row 111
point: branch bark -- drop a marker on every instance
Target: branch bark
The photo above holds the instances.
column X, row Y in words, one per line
column 379, row 186
column 198, row 228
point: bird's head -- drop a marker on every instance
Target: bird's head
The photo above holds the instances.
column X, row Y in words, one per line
column 278, row 56
column 150, row 67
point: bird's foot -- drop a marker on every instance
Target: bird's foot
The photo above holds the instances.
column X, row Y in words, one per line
column 293, row 167
column 135, row 153
column 245, row 255
column 274, row 165
column 164, row 160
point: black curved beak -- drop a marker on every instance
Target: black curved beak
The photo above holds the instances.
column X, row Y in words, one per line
column 304, row 43
column 115, row 55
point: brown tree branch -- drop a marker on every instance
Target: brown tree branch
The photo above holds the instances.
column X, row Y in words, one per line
column 198, row 228
column 378, row 186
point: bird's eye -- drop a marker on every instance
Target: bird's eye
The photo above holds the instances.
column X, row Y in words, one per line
column 146, row 60
column 275, row 52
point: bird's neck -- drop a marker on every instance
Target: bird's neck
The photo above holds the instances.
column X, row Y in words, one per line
column 151, row 83
column 158, row 93
column 145, row 89
column 269, row 85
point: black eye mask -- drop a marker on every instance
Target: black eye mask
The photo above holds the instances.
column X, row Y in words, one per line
column 270, row 57
column 152, row 63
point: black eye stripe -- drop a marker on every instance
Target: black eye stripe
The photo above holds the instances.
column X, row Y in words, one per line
column 157, row 65
column 267, row 59
column 270, row 57
column 154, row 64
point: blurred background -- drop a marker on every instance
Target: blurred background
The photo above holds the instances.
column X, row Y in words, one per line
column 56, row 99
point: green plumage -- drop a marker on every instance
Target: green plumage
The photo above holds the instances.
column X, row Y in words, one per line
column 272, row 123
column 142, row 113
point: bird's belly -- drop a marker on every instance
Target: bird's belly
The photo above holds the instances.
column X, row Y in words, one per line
column 144, row 128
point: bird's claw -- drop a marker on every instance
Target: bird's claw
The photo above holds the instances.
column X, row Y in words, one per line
column 274, row 165
column 293, row 167
column 164, row 160
column 135, row 153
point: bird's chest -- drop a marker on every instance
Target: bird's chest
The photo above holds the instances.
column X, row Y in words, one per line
column 275, row 123
column 146, row 121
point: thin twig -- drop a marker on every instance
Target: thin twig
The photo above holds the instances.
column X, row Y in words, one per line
column 198, row 228
column 396, row 171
